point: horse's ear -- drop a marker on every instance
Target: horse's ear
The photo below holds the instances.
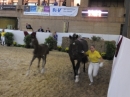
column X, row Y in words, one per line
column 33, row 35
column 70, row 36
column 77, row 36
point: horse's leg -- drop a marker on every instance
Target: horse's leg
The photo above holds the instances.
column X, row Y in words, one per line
column 76, row 70
column 84, row 67
column 30, row 66
column 79, row 70
column 43, row 63
column 73, row 64
column 39, row 59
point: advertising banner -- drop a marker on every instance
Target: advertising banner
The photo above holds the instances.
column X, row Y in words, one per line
column 37, row 10
column 63, row 11
column 51, row 10
column 8, row 7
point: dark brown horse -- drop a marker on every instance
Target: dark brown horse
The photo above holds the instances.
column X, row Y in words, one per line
column 76, row 52
column 40, row 52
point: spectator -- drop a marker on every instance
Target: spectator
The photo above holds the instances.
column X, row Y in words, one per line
column 55, row 3
column 55, row 36
column 44, row 3
column 64, row 3
column 40, row 29
column 48, row 30
column 78, row 4
column 3, row 37
column 28, row 26
column 26, row 2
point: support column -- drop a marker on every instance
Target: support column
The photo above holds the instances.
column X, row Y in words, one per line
column 38, row 2
column 84, row 3
column 127, row 19
column 68, row 3
column 20, row 2
column 48, row 2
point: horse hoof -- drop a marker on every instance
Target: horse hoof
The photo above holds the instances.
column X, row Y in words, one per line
column 77, row 78
column 42, row 71
column 27, row 73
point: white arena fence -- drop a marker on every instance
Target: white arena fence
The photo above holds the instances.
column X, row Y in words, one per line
column 41, row 36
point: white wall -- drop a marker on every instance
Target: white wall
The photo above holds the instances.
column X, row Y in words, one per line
column 19, row 36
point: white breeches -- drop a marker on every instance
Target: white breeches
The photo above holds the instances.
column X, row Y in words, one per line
column 93, row 70
column 2, row 40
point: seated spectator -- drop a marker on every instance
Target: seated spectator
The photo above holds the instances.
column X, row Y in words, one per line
column 64, row 3
column 48, row 30
column 55, row 3
column 55, row 36
column 28, row 26
column 40, row 29
column 44, row 3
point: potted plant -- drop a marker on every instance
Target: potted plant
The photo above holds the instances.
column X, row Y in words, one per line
column 103, row 54
column 9, row 38
column 51, row 42
column 27, row 41
column 59, row 48
column 110, row 50
column 66, row 49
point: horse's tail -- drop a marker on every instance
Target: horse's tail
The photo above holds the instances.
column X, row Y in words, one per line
column 85, row 59
column 48, row 51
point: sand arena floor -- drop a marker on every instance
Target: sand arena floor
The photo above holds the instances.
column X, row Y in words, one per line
column 57, row 81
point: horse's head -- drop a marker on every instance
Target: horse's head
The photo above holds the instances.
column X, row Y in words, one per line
column 34, row 39
column 73, row 37
column 33, row 35
column 74, row 46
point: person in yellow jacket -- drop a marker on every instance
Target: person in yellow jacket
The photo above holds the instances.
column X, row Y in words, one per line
column 3, row 37
column 95, row 60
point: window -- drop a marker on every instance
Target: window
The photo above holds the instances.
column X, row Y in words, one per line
column 51, row 3
column 8, row 2
column 30, row 2
column 106, row 3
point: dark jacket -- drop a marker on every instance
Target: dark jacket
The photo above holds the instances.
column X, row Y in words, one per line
column 40, row 30
column 64, row 3
column 28, row 26
column 48, row 31
column 55, row 37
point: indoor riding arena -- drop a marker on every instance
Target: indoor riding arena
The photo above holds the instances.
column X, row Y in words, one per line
column 57, row 80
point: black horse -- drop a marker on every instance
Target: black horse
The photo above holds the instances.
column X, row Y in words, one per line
column 40, row 51
column 77, row 48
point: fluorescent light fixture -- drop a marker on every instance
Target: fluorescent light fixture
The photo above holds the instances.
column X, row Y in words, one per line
column 95, row 13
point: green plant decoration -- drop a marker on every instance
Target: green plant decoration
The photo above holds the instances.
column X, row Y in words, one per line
column 14, row 43
column 51, row 42
column 66, row 49
column 27, row 41
column 9, row 38
column 63, row 50
column 59, row 48
column 110, row 50
column 96, row 38
column 103, row 54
